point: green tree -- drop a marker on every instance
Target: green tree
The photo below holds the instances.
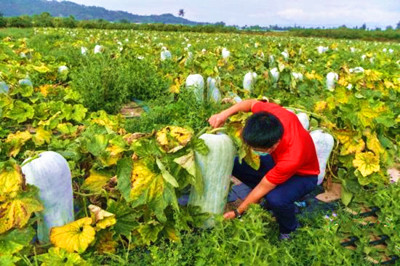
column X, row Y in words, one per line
column 43, row 20
column 3, row 21
column 20, row 22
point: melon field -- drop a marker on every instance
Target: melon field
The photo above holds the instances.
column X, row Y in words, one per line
column 120, row 109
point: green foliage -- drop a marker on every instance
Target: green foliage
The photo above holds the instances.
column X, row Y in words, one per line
column 184, row 110
column 107, row 83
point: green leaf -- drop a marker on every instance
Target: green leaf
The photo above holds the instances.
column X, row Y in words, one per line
column 19, row 111
column 187, row 161
column 200, row 146
column 8, row 260
column 15, row 240
column 127, row 217
column 166, row 175
column 124, row 170
column 347, row 196
column 79, row 113
column 149, row 231
column 59, row 256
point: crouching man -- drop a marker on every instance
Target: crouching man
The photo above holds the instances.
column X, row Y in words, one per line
column 289, row 165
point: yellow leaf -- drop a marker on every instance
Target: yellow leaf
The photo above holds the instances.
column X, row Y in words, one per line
column 173, row 138
column 106, row 244
column 367, row 163
column 75, row 236
column 11, row 181
column 373, row 143
column 367, row 114
column 42, row 136
column 140, row 179
column 17, row 140
column 45, row 89
column 352, row 143
column 313, row 75
column 42, row 68
column 102, row 218
column 15, row 213
column 320, row 106
column 95, row 182
column 59, row 256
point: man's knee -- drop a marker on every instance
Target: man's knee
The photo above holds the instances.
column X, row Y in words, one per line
column 276, row 200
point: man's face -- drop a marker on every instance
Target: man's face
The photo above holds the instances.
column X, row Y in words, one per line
column 267, row 150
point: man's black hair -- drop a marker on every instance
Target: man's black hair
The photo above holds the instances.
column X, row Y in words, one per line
column 262, row 130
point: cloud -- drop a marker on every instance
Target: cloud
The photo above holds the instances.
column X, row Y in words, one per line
column 339, row 16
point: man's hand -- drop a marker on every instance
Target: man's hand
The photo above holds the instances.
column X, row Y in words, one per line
column 217, row 120
column 229, row 215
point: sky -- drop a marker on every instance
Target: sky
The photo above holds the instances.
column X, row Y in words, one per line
column 308, row 13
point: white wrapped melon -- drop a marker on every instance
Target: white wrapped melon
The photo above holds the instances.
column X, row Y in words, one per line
column 213, row 93
column 249, row 80
column 356, row 70
column 324, row 143
column 303, row 118
column 84, row 50
column 297, row 76
column 225, row 53
column 51, row 174
column 165, row 54
column 3, row 87
column 216, row 169
column 195, row 82
column 322, row 49
column 98, row 49
column 331, row 79
column 275, row 74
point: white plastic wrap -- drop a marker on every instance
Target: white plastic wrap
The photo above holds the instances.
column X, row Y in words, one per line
column 331, row 79
column 216, row 169
column 195, row 82
column 303, row 118
column 249, row 80
column 165, row 54
column 213, row 93
column 51, row 174
column 324, row 143
column 275, row 74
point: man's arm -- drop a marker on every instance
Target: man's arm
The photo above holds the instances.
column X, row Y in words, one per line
column 219, row 119
column 262, row 189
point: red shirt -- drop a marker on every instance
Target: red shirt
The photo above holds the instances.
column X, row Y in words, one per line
column 295, row 154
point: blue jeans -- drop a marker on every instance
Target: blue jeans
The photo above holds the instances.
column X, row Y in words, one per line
column 281, row 199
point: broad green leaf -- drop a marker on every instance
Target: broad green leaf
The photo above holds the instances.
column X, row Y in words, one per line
column 346, row 196
column 59, row 256
column 124, row 172
column 166, row 175
column 149, row 231
column 8, row 260
column 15, row 240
column 127, row 217
column 19, row 111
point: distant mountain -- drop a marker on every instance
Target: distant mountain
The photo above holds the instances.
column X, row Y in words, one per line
column 10, row 8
